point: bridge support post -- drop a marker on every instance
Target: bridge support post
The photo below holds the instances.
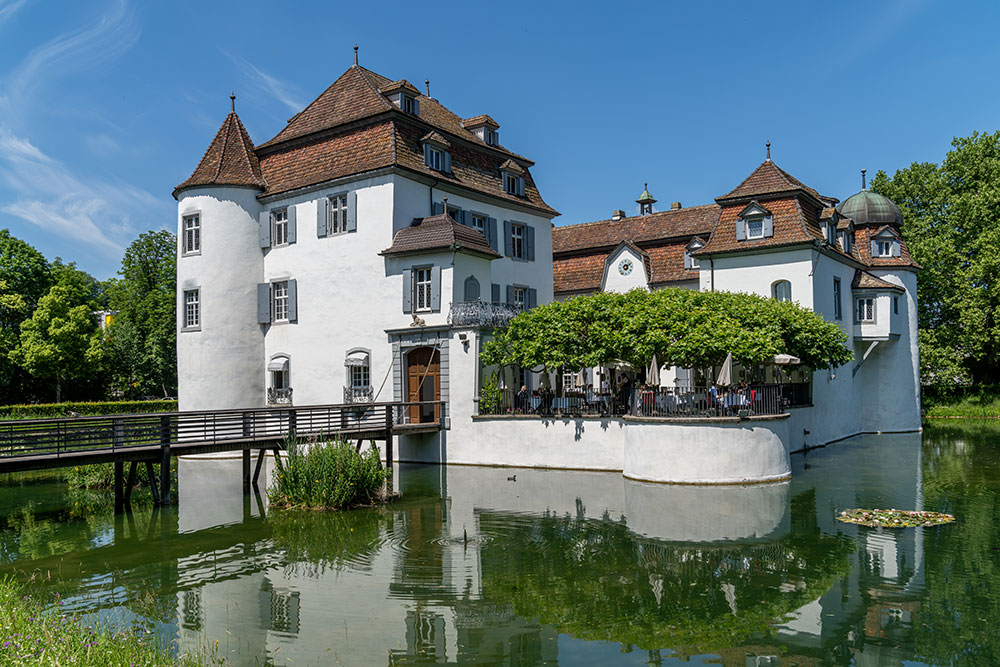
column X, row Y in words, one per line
column 165, row 476
column 388, row 438
column 153, row 488
column 131, row 482
column 246, row 472
column 119, row 486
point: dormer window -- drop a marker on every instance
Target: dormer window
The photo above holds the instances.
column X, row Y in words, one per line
column 483, row 127
column 691, row 262
column 404, row 95
column 492, row 137
column 410, row 105
column 830, row 232
column 755, row 222
column 885, row 244
column 883, row 248
column 434, row 158
column 845, row 241
column 513, row 178
column 436, row 153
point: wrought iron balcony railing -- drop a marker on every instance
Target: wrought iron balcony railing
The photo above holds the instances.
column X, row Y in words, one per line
column 481, row 314
column 279, row 396
column 358, row 395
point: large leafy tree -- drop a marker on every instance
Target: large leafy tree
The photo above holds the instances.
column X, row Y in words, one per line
column 142, row 338
column 950, row 214
column 681, row 327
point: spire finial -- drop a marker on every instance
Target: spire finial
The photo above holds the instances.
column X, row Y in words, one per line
column 232, row 102
column 863, row 186
column 768, row 144
column 355, row 54
column 427, row 83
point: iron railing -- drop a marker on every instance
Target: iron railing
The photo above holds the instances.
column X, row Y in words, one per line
column 279, row 396
column 358, row 395
column 481, row 314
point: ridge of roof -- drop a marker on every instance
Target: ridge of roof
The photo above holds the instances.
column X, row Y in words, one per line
column 768, row 178
column 229, row 159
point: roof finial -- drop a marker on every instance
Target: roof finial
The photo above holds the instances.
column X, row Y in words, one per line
column 232, row 102
column 863, row 186
column 768, row 144
column 355, row 54
column 427, row 82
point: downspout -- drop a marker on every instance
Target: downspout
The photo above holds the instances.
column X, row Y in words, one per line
column 431, row 196
column 711, row 265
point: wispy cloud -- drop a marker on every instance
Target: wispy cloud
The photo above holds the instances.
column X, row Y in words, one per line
column 8, row 8
column 93, row 211
column 286, row 93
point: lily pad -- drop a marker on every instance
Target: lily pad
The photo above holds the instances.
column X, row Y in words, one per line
column 894, row 518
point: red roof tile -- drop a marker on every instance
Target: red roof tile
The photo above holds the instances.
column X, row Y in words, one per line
column 439, row 232
column 768, row 179
column 229, row 160
column 638, row 229
column 479, row 121
column 865, row 280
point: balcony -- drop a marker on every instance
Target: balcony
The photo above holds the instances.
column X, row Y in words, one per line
column 279, row 396
column 481, row 314
column 358, row 395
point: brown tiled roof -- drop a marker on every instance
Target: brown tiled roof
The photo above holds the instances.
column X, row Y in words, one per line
column 639, row 229
column 510, row 165
column 353, row 152
column 229, row 160
column 479, row 121
column 768, row 179
column 667, row 262
column 402, row 84
column 436, row 138
column 790, row 226
column 865, row 280
column 664, row 264
column 578, row 274
column 827, row 213
column 843, row 223
column 439, row 232
column 863, row 246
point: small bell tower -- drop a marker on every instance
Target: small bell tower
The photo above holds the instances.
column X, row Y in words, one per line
column 645, row 201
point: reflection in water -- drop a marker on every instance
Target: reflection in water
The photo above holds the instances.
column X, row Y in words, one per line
column 472, row 567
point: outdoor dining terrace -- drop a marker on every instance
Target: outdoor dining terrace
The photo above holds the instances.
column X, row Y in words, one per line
column 669, row 402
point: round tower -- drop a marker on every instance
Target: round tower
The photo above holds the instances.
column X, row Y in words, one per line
column 220, row 345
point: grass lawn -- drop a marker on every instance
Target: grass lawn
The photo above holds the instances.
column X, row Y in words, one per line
column 983, row 402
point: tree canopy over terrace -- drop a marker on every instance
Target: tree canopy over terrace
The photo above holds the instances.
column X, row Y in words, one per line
column 681, row 327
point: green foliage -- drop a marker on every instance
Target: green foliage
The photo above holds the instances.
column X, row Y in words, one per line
column 101, row 477
column 24, row 271
column 489, row 396
column 45, row 410
column 681, row 327
column 315, row 541
column 327, row 475
column 948, row 401
column 142, row 338
column 33, row 635
column 60, row 341
column 950, row 212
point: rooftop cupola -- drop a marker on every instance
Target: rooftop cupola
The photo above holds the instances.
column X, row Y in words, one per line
column 645, row 201
column 483, row 127
column 870, row 208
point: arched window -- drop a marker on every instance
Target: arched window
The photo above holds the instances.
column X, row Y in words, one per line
column 471, row 289
column 279, row 388
column 359, row 386
column 782, row 290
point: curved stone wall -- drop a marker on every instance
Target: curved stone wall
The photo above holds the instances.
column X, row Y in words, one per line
column 717, row 451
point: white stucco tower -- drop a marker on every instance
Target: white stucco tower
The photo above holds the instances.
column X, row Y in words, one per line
column 219, row 265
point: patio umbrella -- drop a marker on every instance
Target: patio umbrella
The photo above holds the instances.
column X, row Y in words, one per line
column 726, row 374
column 653, row 375
column 546, row 381
column 786, row 360
column 508, row 378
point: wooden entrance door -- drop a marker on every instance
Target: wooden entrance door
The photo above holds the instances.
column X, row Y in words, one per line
column 423, row 383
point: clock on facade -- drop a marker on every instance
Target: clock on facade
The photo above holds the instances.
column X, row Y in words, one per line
column 625, row 267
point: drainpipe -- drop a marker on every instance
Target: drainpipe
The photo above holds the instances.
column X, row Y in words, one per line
column 431, row 196
column 711, row 265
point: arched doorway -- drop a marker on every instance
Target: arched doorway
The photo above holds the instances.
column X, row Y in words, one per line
column 423, row 383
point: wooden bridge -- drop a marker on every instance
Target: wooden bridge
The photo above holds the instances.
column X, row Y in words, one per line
column 148, row 439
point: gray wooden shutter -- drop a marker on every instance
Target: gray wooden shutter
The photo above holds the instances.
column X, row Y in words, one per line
column 495, row 293
column 520, row 186
column 768, row 227
column 265, row 229
column 435, row 288
column 352, row 211
column 529, row 237
column 491, row 233
column 741, row 230
column 407, row 291
column 874, row 249
column 507, row 245
column 895, row 248
column 427, row 154
column 463, row 218
column 687, row 259
column 321, row 210
column 447, row 161
column 291, row 224
column 437, row 208
column 532, row 297
column 293, row 300
column 263, row 303
column 510, row 294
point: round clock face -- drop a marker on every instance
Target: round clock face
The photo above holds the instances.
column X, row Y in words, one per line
column 625, row 267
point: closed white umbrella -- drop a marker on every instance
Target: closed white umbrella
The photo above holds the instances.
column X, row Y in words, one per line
column 786, row 360
column 546, row 381
column 653, row 376
column 508, row 378
column 726, row 374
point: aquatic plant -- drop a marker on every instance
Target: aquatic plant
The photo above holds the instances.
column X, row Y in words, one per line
column 894, row 518
column 327, row 475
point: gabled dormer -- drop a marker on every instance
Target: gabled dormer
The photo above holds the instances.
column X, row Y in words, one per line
column 845, row 233
column 485, row 128
column 404, row 95
column 829, row 220
column 754, row 222
column 512, row 175
column 885, row 243
column 694, row 245
column 437, row 152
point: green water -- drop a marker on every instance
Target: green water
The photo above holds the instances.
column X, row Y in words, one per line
column 552, row 567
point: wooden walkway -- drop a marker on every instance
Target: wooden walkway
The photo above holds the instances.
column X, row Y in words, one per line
column 39, row 444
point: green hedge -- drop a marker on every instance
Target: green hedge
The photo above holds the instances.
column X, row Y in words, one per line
column 44, row 410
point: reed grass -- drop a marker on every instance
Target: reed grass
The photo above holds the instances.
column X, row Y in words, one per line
column 329, row 474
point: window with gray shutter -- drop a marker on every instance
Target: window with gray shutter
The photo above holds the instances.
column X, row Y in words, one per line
column 532, row 297
column 768, row 226
column 263, row 303
column 352, row 211
column 510, row 294
column 322, row 206
column 265, row 229
column 741, row 230
column 437, row 208
column 508, row 245
column 529, row 238
column 407, row 291
column 293, row 300
column 435, row 288
column 291, row 225
column 491, row 232
column 447, row 162
column 895, row 248
column 495, row 293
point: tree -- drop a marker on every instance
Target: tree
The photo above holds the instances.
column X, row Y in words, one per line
column 950, row 214
column 60, row 341
column 24, row 270
column 143, row 335
column 681, row 327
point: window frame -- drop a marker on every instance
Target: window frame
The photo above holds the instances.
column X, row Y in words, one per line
column 192, row 233
column 513, row 183
column 754, row 219
column 435, row 157
column 781, row 285
column 408, row 104
column 518, row 239
column 277, row 299
column 418, row 273
column 492, row 137
column 281, row 225
column 360, row 373
column 883, row 244
column 332, row 211
column 522, row 291
column 482, row 217
column 895, row 305
column 190, row 325
column 857, row 309
column 838, row 308
column 845, row 241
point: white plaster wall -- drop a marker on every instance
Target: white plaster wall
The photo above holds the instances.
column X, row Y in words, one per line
column 755, row 274
column 614, row 281
column 222, row 365
column 706, row 453
column 707, row 513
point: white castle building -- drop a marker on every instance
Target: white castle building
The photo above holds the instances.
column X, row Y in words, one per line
column 365, row 251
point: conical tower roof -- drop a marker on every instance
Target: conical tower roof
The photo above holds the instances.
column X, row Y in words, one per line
column 645, row 197
column 229, row 160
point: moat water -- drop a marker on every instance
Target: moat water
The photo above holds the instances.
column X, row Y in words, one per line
column 524, row 567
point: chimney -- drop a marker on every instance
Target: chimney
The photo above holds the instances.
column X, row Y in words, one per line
column 675, row 206
column 617, row 215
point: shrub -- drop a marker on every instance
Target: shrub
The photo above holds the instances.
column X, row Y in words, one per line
column 55, row 410
column 327, row 475
column 489, row 397
column 100, row 476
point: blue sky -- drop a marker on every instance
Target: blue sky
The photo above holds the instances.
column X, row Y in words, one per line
column 105, row 105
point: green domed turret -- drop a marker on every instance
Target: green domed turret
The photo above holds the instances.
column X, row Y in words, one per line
column 867, row 207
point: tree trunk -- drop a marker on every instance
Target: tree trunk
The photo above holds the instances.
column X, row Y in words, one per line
column 58, row 389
